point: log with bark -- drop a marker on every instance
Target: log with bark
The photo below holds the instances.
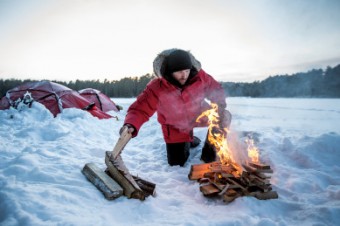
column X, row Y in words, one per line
column 228, row 182
column 102, row 181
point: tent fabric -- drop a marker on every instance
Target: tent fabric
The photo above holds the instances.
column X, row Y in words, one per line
column 53, row 96
column 102, row 101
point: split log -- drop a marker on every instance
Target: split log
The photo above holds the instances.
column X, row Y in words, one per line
column 264, row 171
column 265, row 195
column 102, row 181
column 209, row 189
column 198, row 171
column 230, row 195
column 231, row 181
column 122, row 176
column 257, row 180
column 122, row 141
column 147, row 187
column 262, row 175
column 249, row 168
column 226, row 175
column 196, row 175
column 256, row 170
column 258, row 165
column 204, row 166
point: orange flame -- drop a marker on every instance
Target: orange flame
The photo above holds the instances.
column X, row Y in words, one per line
column 217, row 136
column 253, row 151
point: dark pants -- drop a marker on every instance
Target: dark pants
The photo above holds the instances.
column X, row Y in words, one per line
column 178, row 153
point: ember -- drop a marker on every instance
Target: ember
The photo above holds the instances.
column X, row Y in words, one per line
column 226, row 177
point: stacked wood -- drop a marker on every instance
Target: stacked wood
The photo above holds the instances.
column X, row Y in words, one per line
column 134, row 187
column 228, row 182
column 117, row 180
column 121, row 175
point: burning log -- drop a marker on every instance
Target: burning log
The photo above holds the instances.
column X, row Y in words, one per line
column 226, row 180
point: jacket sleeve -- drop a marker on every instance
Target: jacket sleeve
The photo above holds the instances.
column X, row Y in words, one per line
column 143, row 108
column 214, row 91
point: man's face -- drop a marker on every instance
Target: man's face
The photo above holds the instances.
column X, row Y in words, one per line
column 181, row 76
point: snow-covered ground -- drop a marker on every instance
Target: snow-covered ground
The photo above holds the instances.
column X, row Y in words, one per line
column 41, row 158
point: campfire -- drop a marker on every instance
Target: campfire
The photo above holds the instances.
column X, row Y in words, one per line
column 227, row 177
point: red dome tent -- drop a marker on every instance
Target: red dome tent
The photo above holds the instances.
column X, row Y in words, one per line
column 53, row 96
column 102, row 101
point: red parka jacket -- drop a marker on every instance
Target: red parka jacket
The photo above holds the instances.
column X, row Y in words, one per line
column 177, row 108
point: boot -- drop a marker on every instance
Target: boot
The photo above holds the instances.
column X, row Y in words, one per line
column 195, row 142
column 208, row 152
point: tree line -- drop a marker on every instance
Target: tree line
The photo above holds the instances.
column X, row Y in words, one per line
column 126, row 87
column 314, row 83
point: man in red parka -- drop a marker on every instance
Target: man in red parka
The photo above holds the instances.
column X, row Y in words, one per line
column 178, row 95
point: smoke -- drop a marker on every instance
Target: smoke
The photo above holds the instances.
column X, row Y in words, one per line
column 237, row 142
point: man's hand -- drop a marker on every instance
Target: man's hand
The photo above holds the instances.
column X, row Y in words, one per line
column 129, row 127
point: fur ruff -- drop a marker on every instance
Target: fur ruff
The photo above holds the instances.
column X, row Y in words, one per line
column 159, row 60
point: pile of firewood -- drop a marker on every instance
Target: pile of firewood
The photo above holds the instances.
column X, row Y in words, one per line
column 231, row 182
column 116, row 180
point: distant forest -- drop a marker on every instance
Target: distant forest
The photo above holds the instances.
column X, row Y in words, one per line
column 314, row 83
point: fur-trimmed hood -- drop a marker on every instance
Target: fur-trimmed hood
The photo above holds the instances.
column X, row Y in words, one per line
column 160, row 60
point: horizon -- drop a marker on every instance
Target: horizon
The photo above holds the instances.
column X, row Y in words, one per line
column 102, row 80
column 236, row 41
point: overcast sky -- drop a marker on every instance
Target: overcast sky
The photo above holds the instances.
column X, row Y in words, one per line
column 240, row 40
